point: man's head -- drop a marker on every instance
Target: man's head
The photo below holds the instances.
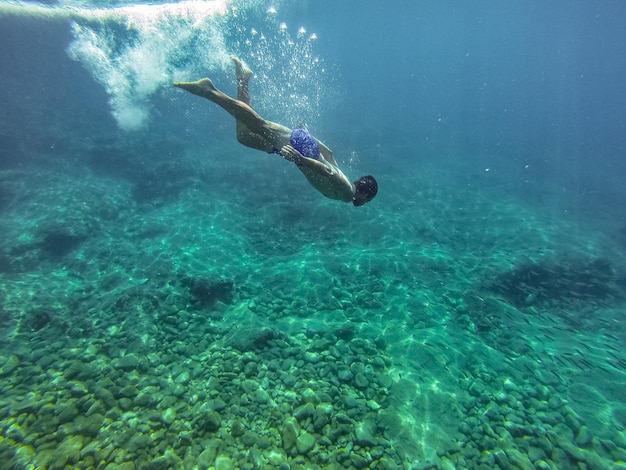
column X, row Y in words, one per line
column 364, row 190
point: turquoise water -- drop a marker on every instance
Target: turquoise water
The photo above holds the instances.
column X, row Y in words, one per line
column 172, row 299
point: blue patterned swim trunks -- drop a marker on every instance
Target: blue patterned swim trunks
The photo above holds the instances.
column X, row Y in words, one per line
column 305, row 143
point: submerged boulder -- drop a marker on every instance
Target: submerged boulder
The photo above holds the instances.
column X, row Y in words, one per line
column 249, row 338
column 206, row 293
column 58, row 242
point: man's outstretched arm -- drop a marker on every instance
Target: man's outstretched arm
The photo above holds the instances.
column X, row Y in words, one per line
column 291, row 154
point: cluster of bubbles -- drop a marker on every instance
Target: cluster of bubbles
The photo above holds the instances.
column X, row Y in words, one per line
column 290, row 80
column 134, row 50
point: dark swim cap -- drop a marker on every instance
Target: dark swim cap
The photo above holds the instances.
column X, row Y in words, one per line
column 365, row 189
column 305, row 143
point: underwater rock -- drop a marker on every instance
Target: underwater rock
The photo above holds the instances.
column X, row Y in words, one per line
column 309, row 396
column 248, row 338
column 168, row 416
column 102, row 392
column 351, row 402
column 78, row 370
column 137, row 442
column 345, row 332
column 217, row 404
column 182, row 378
column 276, row 457
column 264, row 442
column 518, row 430
column 359, row 461
column 305, row 443
column 68, row 452
column 313, row 357
column 535, row 454
column 209, row 421
column 250, row 386
column 373, row 405
column 66, row 411
column 594, row 460
column 476, row 389
column 518, row 460
column 125, row 404
column 344, row 374
column 58, row 242
column 37, row 319
column 305, row 411
column 558, row 280
column 386, row 463
column 223, row 462
column 207, row 456
column 237, row 429
column 11, row 363
column 322, row 415
column 89, row 426
column 166, row 461
column 542, row 465
column 249, row 439
column 360, row 381
column 584, row 437
column 261, row 397
column 289, row 380
column 572, row 452
column 251, row 369
column 289, row 434
column 206, row 293
column 127, row 363
column 501, row 458
column 128, row 391
column 27, row 405
column 364, row 432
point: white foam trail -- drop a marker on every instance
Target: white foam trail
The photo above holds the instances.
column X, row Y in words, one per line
column 134, row 50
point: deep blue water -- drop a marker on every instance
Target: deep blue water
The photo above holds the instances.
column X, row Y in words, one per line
column 511, row 84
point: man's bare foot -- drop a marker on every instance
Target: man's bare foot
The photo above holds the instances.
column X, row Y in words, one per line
column 241, row 70
column 204, row 87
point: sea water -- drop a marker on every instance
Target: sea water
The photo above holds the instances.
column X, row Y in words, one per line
column 172, row 299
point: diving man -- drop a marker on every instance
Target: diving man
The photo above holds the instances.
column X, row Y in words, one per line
column 310, row 155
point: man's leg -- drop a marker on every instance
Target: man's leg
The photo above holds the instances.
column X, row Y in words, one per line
column 243, row 74
column 252, row 130
column 238, row 109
